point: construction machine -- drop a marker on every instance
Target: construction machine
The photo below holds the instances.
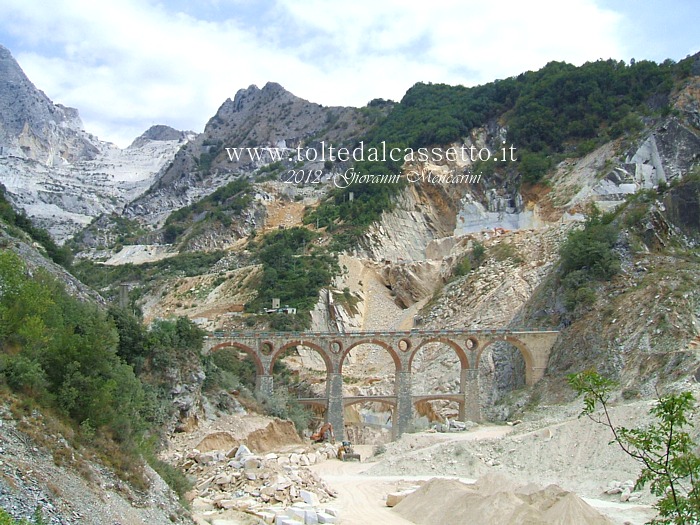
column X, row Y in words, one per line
column 325, row 433
column 347, row 453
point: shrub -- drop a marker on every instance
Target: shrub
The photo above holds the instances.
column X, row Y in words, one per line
column 587, row 256
column 504, row 251
column 590, row 250
column 665, row 450
column 173, row 476
column 7, row 519
column 478, row 253
column 280, row 404
column 534, row 166
column 463, row 267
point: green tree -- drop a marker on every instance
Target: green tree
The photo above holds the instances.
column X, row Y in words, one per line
column 588, row 257
column 64, row 352
column 294, row 270
column 132, row 335
column 665, row 449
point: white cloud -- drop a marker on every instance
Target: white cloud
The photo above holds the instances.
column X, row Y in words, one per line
column 138, row 64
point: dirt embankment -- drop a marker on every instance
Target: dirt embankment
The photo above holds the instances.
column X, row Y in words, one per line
column 67, row 486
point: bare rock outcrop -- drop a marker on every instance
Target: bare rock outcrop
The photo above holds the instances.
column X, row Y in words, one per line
column 412, row 281
column 32, row 126
column 256, row 117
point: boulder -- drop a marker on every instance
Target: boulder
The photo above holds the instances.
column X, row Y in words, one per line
column 310, row 498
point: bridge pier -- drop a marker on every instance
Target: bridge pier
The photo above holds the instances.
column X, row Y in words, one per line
column 265, row 347
column 264, row 384
column 334, row 411
column 403, row 414
column 471, row 409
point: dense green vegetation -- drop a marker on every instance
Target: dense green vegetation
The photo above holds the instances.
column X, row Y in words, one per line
column 221, row 206
column 558, row 109
column 430, row 114
column 587, row 257
column 78, row 361
column 561, row 110
column 294, row 270
column 106, row 279
column 59, row 255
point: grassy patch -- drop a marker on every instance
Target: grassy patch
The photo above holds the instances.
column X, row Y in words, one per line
column 505, row 251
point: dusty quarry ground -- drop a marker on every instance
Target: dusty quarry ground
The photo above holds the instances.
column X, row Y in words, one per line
column 552, row 446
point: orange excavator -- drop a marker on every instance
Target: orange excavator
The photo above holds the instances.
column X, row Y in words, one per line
column 325, row 433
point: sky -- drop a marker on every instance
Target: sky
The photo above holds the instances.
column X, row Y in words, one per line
column 131, row 64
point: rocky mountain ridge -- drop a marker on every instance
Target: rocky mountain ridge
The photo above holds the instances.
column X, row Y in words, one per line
column 32, row 126
column 64, row 199
column 60, row 175
column 267, row 117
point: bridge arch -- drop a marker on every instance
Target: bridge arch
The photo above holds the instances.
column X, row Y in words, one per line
column 522, row 347
column 356, row 401
column 386, row 346
column 259, row 368
column 438, row 356
column 463, row 360
column 293, row 344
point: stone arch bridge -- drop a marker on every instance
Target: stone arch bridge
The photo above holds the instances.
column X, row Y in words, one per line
column 402, row 346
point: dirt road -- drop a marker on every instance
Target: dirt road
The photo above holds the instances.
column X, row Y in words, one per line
column 361, row 497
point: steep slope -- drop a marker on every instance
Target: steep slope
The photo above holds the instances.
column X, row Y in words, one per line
column 640, row 328
column 268, row 117
column 33, row 127
column 637, row 330
column 66, row 198
column 61, row 176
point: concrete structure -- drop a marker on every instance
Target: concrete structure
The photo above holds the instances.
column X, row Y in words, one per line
column 266, row 347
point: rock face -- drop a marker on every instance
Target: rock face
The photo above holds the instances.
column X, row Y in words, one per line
column 492, row 295
column 667, row 153
column 160, row 133
column 64, row 199
column 268, row 117
column 683, row 210
column 423, row 213
column 413, row 281
column 33, row 127
column 186, row 393
column 61, row 176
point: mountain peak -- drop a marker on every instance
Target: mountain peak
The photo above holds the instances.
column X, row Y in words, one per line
column 159, row 132
column 31, row 125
